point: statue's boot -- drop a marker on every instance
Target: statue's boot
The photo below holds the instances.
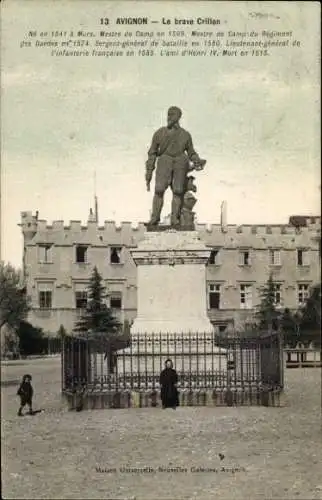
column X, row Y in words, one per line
column 175, row 210
column 156, row 209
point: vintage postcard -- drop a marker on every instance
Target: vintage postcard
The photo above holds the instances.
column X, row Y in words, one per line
column 160, row 249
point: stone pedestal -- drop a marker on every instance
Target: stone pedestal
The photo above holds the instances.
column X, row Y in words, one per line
column 172, row 320
column 171, row 283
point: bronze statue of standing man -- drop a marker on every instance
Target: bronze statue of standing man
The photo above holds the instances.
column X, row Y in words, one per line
column 173, row 151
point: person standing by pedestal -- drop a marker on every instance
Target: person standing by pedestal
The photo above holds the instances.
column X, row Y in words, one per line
column 168, row 382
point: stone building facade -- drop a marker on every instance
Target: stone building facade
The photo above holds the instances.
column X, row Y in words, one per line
column 58, row 260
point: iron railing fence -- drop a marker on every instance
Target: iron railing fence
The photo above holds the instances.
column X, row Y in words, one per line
column 238, row 364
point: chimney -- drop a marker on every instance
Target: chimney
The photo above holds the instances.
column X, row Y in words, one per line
column 223, row 216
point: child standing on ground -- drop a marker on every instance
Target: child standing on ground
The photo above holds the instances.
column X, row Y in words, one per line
column 25, row 392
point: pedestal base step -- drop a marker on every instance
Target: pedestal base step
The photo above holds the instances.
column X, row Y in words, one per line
column 151, row 399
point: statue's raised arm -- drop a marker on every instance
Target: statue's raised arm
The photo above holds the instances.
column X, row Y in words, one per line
column 197, row 162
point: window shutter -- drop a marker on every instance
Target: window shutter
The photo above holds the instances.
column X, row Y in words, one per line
column 49, row 253
column 306, row 260
column 41, row 253
column 249, row 297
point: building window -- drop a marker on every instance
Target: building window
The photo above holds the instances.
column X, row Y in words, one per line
column 275, row 257
column 45, row 253
column 214, row 296
column 302, row 293
column 214, row 257
column 115, row 255
column 116, row 301
column 302, row 257
column 45, row 299
column 277, row 294
column 246, row 297
column 244, row 258
column 81, row 300
column 81, row 254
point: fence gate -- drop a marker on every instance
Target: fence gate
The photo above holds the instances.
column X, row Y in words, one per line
column 75, row 363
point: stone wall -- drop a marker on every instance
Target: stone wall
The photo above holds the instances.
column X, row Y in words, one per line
column 64, row 275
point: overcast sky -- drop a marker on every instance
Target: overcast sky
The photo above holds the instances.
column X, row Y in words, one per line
column 255, row 120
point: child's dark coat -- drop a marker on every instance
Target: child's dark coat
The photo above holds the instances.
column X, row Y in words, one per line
column 25, row 391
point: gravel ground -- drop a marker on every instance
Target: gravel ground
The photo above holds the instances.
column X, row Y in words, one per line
column 270, row 453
